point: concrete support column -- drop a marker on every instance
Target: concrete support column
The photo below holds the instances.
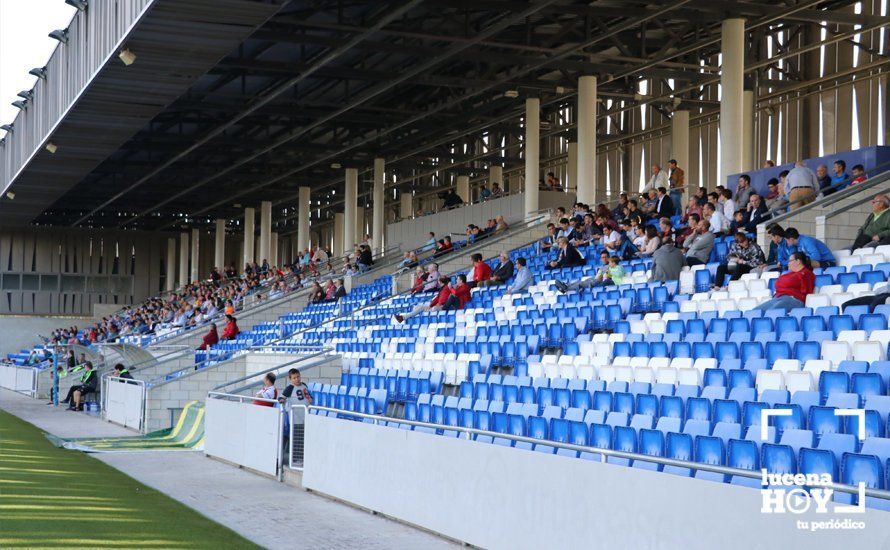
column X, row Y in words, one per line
column 586, row 163
column 273, row 250
column 748, row 161
column 378, row 223
column 338, row 234
column 171, row 264
column 406, row 205
column 572, row 166
column 680, row 147
column 732, row 110
column 265, row 251
column 359, row 224
column 463, row 188
column 496, row 175
column 350, row 198
column 532, row 152
column 303, row 219
column 219, row 248
column 183, row 258
column 194, row 275
column 249, row 219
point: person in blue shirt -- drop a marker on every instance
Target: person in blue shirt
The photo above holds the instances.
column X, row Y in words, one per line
column 523, row 279
column 783, row 249
column 840, row 174
column 817, row 251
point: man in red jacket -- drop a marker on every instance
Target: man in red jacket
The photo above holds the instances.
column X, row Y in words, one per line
column 460, row 294
column 436, row 304
column 481, row 270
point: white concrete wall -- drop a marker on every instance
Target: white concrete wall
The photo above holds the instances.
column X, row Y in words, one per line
column 21, row 331
column 414, row 233
column 499, row 497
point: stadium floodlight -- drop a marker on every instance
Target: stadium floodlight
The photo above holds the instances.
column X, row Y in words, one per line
column 23, row 104
column 60, row 34
column 81, row 5
column 127, row 57
column 39, row 72
column 26, row 94
column 7, row 127
column 336, row 165
column 10, row 195
column 512, row 94
column 51, row 147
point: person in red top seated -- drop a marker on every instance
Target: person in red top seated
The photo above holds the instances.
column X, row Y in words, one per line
column 460, row 294
column 211, row 338
column 437, row 303
column 793, row 287
column 231, row 330
column 481, row 270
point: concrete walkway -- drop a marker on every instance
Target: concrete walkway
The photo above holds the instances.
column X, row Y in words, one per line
column 272, row 514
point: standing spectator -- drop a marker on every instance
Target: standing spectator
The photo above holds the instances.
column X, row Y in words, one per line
column 743, row 256
column 496, row 191
column 659, row 179
column 815, row 250
column 568, row 256
column 503, row 272
column 231, row 331
column 743, row 190
column 296, row 393
column 667, row 262
column 793, row 287
column 524, row 278
column 801, row 185
column 700, row 244
column 677, row 179
column 876, row 229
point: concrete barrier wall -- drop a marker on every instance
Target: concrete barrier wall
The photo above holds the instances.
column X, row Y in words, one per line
column 499, row 497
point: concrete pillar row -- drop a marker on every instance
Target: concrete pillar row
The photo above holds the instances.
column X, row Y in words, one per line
column 680, row 147
column 219, row 248
column 748, row 160
column 249, row 220
column 349, row 210
column 194, row 273
column 378, row 223
column 183, row 258
column 463, row 188
column 732, row 110
column 265, row 249
column 303, row 204
column 171, row 264
column 406, row 205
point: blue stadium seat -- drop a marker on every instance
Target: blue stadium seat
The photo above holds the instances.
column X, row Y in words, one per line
column 710, row 450
column 679, row 446
column 778, row 459
column 743, row 455
column 822, row 420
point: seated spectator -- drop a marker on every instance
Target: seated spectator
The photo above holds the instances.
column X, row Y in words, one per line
column 634, row 213
column 738, row 222
column 664, row 207
column 545, row 244
column 699, row 245
column 587, row 231
column 603, row 210
column 878, row 298
column 502, row 273
column 210, row 339
column 755, row 214
column 430, row 243
column 120, row 371
column 618, row 211
column 316, row 295
column 89, row 381
column 451, row 200
column 859, row 174
column 481, row 271
column 484, row 193
column 552, row 182
column 651, row 203
column 681, row 235
column 717, row 222
column 667, row 262
column 436, row 304
column 568, row 256
column 840, row 176
column 524, row 278
column 744, row 255
column 567, row 230
column 231, row 331
column 500, row 224
column 665, row 228
column 780, row 250
column 876, row 229
column 268, row 393
column 726, row 203
column 617, row 242
column 824, row 180
column 496, row 191
column 329, row 289
column 818, row 252
column 558, row 214
column 639, row 239
column 339, row 290
column 612, row 275
column 793, row 287
column 774, row 199
column 652, row 242
column 365, row 258
column 694, row 206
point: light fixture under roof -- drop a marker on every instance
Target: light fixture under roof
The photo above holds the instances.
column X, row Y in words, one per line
column 336, row 165
column 81, row 5
column 127, row 57
column 51, row 147
column 512, row 94
column 60, row 34
column 23, row 104
column 26, row 94
column 39, row 72
column 7, row 127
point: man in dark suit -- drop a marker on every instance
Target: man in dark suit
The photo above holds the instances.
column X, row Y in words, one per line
column 503, row 272
column 755, row 214
column 665, row 206
column 568, row 256
column 340, row 292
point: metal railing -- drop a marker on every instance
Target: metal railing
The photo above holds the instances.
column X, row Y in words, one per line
column 471, row 433
column 322, row 354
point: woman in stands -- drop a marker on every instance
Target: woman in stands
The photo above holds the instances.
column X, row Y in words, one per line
column 653, row 241
column 316, row 295
column 210, row 339
column 231, row 330
column 793, row 287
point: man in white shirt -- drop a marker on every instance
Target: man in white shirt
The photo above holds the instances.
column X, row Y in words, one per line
column 611, row 238
column 717, row 221
column 659, row 179
column 729, row 206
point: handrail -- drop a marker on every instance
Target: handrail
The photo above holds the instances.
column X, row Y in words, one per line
column 239, row 398
column 881, row 176
column 604, row 453
column 322, row 353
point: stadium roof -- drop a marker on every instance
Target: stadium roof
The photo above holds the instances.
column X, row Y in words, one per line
column 231, row 102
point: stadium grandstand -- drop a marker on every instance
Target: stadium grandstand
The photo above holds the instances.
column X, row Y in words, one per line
column 505, row 273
